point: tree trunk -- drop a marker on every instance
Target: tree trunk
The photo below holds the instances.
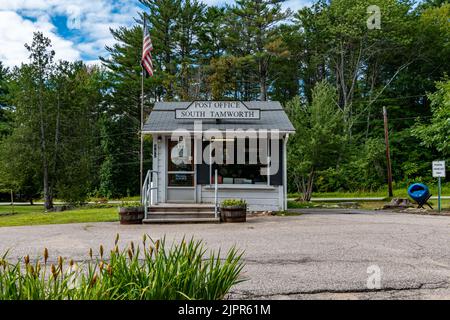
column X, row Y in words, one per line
column 57, row 134
column 262, row 80
column 48, row 201
column 308, row 187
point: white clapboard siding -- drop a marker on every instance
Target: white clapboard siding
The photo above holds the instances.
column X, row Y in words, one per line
column 257, row 200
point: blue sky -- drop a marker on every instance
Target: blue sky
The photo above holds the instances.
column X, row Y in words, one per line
column 79, row 29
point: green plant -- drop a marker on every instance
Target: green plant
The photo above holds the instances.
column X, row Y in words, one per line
column 234, row 203
column 130, row 204
column 152, row 272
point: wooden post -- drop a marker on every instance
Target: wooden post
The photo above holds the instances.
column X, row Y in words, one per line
column 388, row 154
column 12, row 201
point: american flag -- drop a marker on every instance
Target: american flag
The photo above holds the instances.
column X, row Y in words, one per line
column 147, row 48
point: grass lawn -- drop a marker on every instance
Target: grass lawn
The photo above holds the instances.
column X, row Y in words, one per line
column 35, row 215
column 398, row 193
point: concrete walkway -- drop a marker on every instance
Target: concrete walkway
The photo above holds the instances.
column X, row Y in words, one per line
column 320, row 254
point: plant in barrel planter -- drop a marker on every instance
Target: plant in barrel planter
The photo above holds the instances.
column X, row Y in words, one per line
column 131, row 213
column 233, row 210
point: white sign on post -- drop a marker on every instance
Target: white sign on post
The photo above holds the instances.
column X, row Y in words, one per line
column 438, row 169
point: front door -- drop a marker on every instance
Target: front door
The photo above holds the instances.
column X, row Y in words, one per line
column 180, row 171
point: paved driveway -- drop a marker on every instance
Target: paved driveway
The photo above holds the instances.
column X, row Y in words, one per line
column 321, row 254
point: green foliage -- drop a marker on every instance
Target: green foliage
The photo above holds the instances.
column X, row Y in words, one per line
column 436, row 133
column 319, row 139
column 130, row 204
column 234, row 203
column 55, row 133
column 153, row 272
column 4, row 109
column 244, row 50
column 364, row 170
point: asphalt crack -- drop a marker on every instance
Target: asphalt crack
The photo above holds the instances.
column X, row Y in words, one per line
column 429, row 286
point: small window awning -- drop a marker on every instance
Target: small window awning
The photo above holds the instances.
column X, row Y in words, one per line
column 165, row 117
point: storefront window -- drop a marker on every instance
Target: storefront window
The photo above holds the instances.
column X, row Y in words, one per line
column 237, row 172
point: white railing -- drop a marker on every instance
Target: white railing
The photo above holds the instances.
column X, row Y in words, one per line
column 216, row 195
column 148, row 196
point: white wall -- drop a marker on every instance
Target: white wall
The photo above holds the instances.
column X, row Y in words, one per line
column 261, row 198
column 270, row 199
column 159, row 164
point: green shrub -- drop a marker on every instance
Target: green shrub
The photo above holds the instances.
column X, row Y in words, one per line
column 130, row 204
column 234, row 203
column 152, row 272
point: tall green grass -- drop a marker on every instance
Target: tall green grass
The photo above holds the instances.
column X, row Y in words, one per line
column 151, row 271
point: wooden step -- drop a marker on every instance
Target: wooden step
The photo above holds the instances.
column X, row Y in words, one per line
column 188, row 208
column 180, row 220
column 170, row 214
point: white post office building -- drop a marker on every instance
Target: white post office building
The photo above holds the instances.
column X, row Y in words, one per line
column 207, row 151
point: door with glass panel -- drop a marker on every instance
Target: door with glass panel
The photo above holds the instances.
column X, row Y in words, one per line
column 180, row 171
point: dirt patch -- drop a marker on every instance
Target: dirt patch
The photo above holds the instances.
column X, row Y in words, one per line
column 423, row 211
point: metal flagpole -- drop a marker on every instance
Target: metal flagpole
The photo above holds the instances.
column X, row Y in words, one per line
column 142, row 135
column 141, row 178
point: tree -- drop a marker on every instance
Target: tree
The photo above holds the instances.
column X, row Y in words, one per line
column 54, row 137
column 436, row 133
column 20, row 168
column 163, row 16
column 78, row 97
column 188, row 26
column 258, row 21
column 4, row 112
column 120, row 123
column 39, row 72
column 363, row 63
column 318, row 140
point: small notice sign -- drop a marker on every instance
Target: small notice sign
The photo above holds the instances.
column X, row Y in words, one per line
column 438, row 169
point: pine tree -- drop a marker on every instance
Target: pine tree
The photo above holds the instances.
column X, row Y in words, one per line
column 259, row 20
column 188, row 26
column 162, row 16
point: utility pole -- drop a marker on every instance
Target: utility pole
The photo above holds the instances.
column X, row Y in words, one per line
column 388, row 154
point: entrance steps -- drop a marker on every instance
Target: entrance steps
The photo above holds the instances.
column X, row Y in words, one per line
column 181, row 213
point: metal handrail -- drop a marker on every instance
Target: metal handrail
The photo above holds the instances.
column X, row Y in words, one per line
column 147, row 190
column 216, row 195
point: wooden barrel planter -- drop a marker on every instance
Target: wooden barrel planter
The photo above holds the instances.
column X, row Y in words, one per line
column 131, row 215
column 233, row 211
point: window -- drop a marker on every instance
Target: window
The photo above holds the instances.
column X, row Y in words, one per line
column 246, row 171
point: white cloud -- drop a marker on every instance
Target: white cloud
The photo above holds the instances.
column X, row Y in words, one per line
column 15, row 31
column 90, row 21
column 295, row 5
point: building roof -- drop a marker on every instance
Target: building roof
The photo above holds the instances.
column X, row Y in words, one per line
column 272, row 117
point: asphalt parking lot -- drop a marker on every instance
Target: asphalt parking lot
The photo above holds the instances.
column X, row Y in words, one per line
column 322, row 254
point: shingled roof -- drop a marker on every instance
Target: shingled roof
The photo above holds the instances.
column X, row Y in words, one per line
column 162, row 119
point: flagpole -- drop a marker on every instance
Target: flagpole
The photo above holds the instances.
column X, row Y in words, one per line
column 141, row 169
column 142, row 135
